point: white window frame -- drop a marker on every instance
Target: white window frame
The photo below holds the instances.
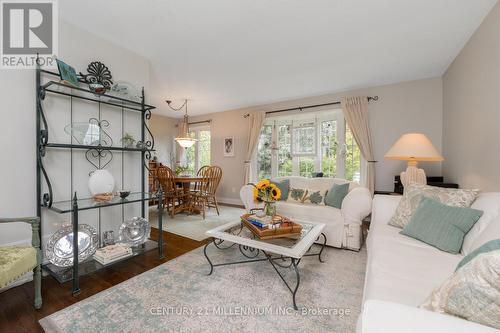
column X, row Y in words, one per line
column 332, row 115
column 196, row 129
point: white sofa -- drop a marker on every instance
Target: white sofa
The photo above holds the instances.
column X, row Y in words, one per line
column 401, row 272
column 343, row 226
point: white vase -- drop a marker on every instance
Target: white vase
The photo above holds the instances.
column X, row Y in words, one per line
column 101, row 181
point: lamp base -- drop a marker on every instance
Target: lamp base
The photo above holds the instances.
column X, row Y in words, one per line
column 413, row 175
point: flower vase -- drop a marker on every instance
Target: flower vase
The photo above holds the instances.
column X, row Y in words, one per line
column 269, row 208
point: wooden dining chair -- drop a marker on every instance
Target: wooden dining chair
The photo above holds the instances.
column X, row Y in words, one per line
column 201, row 171
column 171, row 193
column 206, row 196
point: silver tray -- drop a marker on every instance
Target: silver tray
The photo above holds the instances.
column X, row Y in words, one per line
column 59, row 249
column 135, row 232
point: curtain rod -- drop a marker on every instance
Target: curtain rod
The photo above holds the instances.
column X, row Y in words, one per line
column 374, row 98
column 200, row 122
column 197, row 122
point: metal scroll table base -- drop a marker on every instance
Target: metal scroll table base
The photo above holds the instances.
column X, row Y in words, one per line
column 276, row 261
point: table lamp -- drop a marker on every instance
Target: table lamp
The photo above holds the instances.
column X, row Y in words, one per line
column 413, row 147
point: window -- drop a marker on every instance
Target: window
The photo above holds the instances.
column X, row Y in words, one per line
column 303, row 144
column 284, row 149
column 198, row 155
column 304, row 140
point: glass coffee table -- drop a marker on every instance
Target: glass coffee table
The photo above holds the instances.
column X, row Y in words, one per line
column 281, row 253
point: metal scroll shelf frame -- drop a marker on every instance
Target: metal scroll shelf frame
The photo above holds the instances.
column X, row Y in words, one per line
column 44, row 193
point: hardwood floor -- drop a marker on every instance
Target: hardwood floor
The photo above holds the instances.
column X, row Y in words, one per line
column 17, row 313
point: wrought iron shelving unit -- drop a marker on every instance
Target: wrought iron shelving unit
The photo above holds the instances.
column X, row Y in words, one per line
column 74, row 205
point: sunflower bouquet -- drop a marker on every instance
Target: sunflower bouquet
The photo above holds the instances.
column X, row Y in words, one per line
column 265, row 191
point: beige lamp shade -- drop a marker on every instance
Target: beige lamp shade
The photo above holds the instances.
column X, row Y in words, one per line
column 413, row 147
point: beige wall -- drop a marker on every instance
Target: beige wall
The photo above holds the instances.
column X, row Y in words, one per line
column 471, row 110
column 223, row 124
column 403, row 107
column 164, row 130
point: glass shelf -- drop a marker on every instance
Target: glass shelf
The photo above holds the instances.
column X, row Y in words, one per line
column 65, row 274
column 76, row 146
column 89, row 203
column 111, row 99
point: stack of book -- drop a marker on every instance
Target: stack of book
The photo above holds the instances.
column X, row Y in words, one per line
column 263, row 228
column 111, row 253
column 261, row 222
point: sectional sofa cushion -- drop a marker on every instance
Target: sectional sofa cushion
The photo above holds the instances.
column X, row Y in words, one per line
column 489, row 203
column 472, row 292
column 491, row 232
column 336, row 195
column 440, row 225
column 413, row 195
column 487, row 247
column 402, row 269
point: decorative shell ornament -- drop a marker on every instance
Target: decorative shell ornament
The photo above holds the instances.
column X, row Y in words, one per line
column 98, row 73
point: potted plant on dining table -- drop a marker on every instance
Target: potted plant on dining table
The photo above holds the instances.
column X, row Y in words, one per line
column 267, row 192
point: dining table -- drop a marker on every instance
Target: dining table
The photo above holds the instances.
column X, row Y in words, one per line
column 186, row 182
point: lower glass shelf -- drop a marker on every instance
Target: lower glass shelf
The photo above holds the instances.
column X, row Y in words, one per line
column 65, row 274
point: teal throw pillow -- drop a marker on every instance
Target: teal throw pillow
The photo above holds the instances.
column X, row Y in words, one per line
column 486, row 247
column 284, row 186
column 440, row 225
column 336, row 195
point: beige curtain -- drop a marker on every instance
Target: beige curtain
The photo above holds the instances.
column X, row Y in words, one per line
column 255, row 121
column 356, row 114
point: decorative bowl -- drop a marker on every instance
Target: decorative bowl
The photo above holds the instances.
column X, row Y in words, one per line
column 59, row 250
column 97, row 88
column 260, row 213
column 124, row 193
column 89, row 133
column 135, row 232
column 126, row 90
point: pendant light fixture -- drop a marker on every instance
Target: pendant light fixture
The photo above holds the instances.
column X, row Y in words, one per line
column 183, row 139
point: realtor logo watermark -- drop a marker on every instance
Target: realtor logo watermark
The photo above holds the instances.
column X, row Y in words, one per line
column 29, row 28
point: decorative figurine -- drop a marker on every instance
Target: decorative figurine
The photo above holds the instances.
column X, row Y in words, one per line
column 98, row 77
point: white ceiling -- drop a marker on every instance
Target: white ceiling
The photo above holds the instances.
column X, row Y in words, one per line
column 227, row 54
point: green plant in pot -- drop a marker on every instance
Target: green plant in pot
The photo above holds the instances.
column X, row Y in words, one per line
column 127, row 140
column 182, row 170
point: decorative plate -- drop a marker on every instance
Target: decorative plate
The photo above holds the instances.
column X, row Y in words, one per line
column 126, row 90
column 135, row 232
column 91, row 133
column 59, row 250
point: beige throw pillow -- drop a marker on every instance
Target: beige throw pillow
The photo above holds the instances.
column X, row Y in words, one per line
column 472, row 292
column 414, row 192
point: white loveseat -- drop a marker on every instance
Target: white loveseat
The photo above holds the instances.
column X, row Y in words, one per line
column 401, row 272
column 343, row 226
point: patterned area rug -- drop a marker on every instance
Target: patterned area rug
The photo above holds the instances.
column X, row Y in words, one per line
column 194, row 226
column 178, row 296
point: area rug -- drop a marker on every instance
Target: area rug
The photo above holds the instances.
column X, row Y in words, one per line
column 179, row 296
column 194, row 226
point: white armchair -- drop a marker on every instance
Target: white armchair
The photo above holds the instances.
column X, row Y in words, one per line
column 343, row 226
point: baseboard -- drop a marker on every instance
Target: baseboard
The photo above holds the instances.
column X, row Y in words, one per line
column 230, row 201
